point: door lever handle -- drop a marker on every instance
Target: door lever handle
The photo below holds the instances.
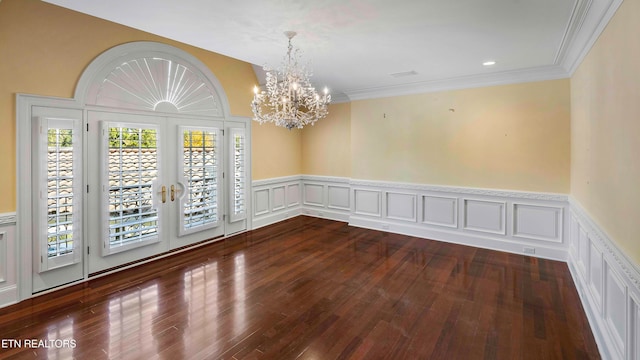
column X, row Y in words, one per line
column 164, row 194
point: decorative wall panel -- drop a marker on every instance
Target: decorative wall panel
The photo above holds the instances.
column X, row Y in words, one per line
column 439, row 210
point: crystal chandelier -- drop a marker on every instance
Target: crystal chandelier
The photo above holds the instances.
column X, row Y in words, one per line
column 289, row 100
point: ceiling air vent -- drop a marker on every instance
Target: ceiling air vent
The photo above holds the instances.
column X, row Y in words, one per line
column 404, row 74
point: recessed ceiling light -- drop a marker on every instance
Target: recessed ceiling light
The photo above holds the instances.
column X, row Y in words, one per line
column 489, row 63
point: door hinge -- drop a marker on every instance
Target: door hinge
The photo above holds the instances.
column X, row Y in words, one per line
column 87, row 126
column 87, row 189
column 41, row 260
column 88, row 252
column 222, row 132
column 224, row 217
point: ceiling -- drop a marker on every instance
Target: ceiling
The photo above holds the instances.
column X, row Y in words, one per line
column 356, row 46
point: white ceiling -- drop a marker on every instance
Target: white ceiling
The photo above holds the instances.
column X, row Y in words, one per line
column 355, row 45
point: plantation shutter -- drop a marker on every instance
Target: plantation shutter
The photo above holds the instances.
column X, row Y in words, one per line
column 57, row 191
column 238, row 177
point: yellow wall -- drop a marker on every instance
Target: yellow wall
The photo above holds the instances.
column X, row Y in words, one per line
column 276, row 151
column 605, row 130
column 505, row 137
column 326, row 146
column 45, row 48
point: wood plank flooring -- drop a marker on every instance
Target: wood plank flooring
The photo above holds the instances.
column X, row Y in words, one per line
column 310, row 288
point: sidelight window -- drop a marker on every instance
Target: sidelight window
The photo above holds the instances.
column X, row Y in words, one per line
column 58, row 187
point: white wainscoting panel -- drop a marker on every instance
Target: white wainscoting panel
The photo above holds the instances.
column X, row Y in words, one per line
column 485, row 216
column 278, row 202
column 8, row 264
column 401, row 206
column 293, row 194
column 574, row 237
column 339, row 197
column 608, row 284
column 596, row 274
column 330, row 198
column 583, row 256
column 313, row 194
column 616, row 308
column 3, row 256
column 537, row 222
column 469, row 216
column 634, row 326
column 367, row 202
column 275, row 200
column 261, row 201
column 278, row 199
column 440, row 211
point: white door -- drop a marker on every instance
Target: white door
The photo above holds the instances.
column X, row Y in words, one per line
column 57, row 185
column 155, row 184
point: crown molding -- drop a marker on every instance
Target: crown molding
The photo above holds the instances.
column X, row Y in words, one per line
column 551, row 72
column 587, row 21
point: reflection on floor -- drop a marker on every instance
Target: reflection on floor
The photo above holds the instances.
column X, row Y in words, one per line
column 310, row 288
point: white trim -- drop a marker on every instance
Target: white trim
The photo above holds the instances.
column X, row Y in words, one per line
column 92, row 77
column 462, row 190
column 7, row 218
column 276, row 180
column 549, row 72
column 377, row 217
column 591, row 24
column 8, row 260
column 615, row 272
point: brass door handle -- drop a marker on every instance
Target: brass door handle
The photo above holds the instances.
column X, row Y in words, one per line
column 173, row 192
column 164, row 194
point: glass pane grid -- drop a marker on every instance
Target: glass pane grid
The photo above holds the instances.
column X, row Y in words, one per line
column 200, row 168
column 133, row 165
column 60, row 186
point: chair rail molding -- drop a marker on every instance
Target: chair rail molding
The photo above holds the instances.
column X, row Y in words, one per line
column 608, row 283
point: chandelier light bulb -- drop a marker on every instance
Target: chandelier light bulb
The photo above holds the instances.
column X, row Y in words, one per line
column 289, row 99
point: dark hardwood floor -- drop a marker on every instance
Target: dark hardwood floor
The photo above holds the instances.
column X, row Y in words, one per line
column 310, row 288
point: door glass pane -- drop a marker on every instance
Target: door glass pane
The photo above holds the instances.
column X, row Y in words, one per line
column 133, row 165
column 200, row 171
column 60, row 192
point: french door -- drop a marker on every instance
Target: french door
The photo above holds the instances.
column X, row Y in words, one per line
column 117, row 188
column 159, row 186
